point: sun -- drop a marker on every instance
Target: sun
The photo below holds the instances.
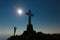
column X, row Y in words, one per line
column 19, row 11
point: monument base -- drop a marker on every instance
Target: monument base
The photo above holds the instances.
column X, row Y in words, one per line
column 29, row 30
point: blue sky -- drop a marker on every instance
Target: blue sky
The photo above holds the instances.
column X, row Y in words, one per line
column 46, row 16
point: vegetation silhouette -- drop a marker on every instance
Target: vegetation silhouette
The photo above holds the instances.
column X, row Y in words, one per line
column 31, row 34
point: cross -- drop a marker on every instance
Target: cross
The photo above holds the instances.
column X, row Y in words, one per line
column 29, row 15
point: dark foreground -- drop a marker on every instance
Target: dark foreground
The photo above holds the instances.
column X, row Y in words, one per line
column 36, row 36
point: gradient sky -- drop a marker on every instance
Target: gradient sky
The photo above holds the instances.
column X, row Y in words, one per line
column 46, row 16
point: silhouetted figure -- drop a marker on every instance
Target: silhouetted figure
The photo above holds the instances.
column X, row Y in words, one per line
column 15, row 30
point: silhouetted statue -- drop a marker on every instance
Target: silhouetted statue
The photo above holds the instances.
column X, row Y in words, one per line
column 15, row 30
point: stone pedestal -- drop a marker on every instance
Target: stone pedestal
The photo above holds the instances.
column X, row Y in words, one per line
column 29, row 30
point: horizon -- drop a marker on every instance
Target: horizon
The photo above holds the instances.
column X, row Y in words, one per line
column 46, row 17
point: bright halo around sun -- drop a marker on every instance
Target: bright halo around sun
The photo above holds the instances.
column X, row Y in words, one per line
column 20, row 11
